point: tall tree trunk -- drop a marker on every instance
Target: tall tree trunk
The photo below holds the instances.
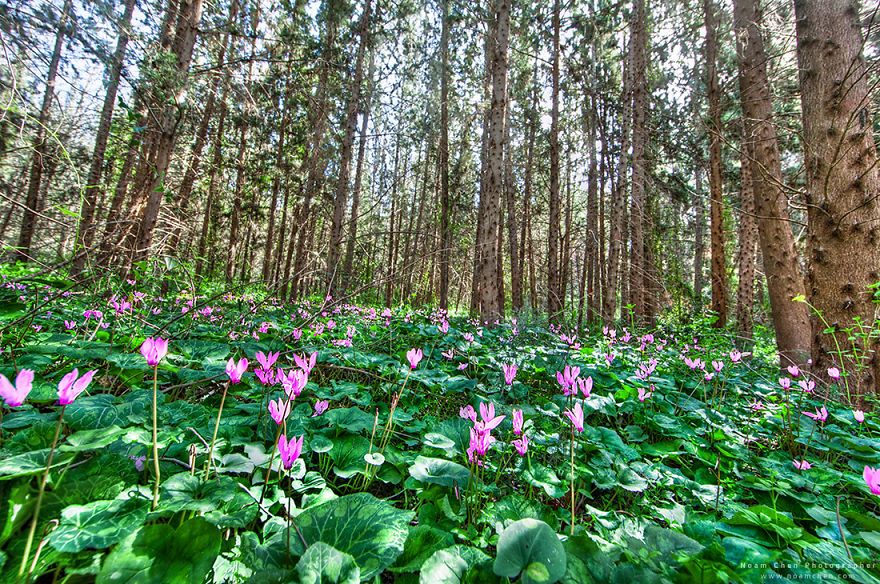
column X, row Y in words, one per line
column 488, row 59
column 487, row 237
column 699, row 229
column 443, row 154
column 616, row 237
column 241, row 161
column 348, row 266
column 748, row 242
column 192, row 170
column 279, row 171
column 843, row 184
column 781, row 265
column 216, row 167
column 312, row 162
column 510, row 198
column 340, row 201
column 92, row 194
column 716, row 204
column 29, row 220
column 555, row 290
column 590, row 288
column 147, row 198
column 638, row 206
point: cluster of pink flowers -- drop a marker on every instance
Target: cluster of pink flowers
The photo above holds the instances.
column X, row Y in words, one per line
column 481, row 433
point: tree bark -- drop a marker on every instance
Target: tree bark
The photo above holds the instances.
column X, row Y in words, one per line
column 699, row 237
column 487, row 237
column 29, row 220
column 748, row 242
column 716, row 203
column 192, row 170
column 781, row 264
column 555, row 289
column 843, row 185
column 443, row 155
column 147, row 198
column 241, row 161
column 348, row 266
column 340, row 201
column 638, row 266
column 85, row 234
column 616, row 242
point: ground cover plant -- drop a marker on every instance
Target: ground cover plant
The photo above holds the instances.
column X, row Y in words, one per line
column 183, row 437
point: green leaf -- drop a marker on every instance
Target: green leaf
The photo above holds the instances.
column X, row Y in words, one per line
column 439, row 471
column 370, row 530
column 158, row 553
column 450, row 565
column 98, row 525
column 324, row 564
column 30, row 463
column 530, row 548
column 422, row 542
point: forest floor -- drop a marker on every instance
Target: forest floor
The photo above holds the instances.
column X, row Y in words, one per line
column 425, row 456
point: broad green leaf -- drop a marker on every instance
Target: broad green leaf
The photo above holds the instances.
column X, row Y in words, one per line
column 439, row 471
column 529, row 548
column 98, row 525
column 324, row 564
column 368, row 529
column 158, row 553
column 450, row 565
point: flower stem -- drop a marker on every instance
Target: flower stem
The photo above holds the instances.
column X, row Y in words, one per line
column 572, row 479
column 155, row 437
column 216, row 428
column 33, row 529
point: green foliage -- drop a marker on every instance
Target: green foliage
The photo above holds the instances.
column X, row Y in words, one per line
column 694, row 482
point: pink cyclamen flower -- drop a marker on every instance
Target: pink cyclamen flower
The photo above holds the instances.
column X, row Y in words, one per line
column 585, row 386
column 279, row 410
column 69, row 324
column 834, row 373
column 859, row 416
column 517, row 422
column 735, row 356
column 807, row 385
column 521, row 445
column 320, row 407
column 872, row 478
column 414, row 356
column 785, row 383
column 802, row 465
column 266, row 361
column 70, row 387
column 289, row 450
column 236, row 370
column 509, row 373
column 576, row 415
column 462, row 366
column 489, row 420
column 793, row 370
column 306, row 364
column 567, row 378
column 266, row 376
column 468, row 413
column 645, row 393
column 718, row 366
column 294, row 382
column 820, row 416
column 154, row 350
column 14, row 395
